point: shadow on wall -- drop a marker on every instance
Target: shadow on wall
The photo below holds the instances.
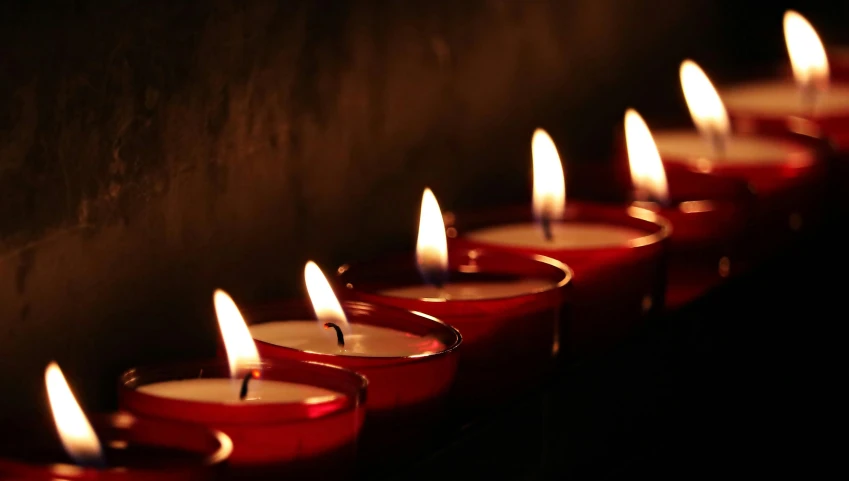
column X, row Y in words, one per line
column 148, row 155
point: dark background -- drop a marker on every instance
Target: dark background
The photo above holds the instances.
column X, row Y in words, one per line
column 152, row 151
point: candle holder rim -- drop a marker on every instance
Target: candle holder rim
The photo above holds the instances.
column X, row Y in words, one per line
column 661, row 231
column 798, row 153
column 793, row 146
column 458, row 338
column 568, row 276
column 736, row 111
column 129, row 377
column 123, row 419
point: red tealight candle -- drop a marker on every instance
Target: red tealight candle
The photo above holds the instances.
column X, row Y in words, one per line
column 812, row 104
column 617, row 254
column 708, row 220
column 506, row 307
column 284, row 417
column 786, row 175
column 409, row 358
column 118, row 447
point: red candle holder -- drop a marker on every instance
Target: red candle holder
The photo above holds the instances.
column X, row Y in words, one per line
column 406, row 394
column 508, row 342
column 833, row 126
column 788, row 196
column 614, row 287
column 292, row 439
column 709, row 215
column 134, row 449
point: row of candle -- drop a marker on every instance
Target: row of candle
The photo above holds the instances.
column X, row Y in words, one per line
column 488, row 303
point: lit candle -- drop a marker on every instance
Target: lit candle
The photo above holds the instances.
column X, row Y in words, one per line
column 810, row 104
column 617, row 254
column 117, row 447
column 550, row 233
column 282, row 416
column 333, row 334
column 241, row 387
column 784, row 173
column 712, row 146
column 707, row 227
column 432, row 261
column 409, row 359
column 504, row 306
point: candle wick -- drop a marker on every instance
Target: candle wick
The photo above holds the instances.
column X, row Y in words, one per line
column 546, row 228
column 809, row 97
column 243, row 392
column 718, row 143
column 340, row 338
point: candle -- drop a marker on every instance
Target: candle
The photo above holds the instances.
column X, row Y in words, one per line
column 707, row 221
column 118, row 446
column 811, row 104
column 506, row 307
column 284, row 417
column 784, row 173
column 409, row 359
column 617, row 254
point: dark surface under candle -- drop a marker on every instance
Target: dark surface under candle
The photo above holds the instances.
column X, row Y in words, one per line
column 130, row 456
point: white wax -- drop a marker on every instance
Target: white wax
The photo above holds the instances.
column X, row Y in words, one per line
column 566, row 235
column 468, row 291
column 689, row 145
column 226, row 391
column 364, row 340
column 784, row 98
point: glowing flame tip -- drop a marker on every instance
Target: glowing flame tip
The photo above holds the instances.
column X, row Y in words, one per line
column 75, row 431
column 806, row 51
column 241, row 350
column 431, row 244
column 324, row 302
column 549, row 198
column 647, row 170
column 703, row 101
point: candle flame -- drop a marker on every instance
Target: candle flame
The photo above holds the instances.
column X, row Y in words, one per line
column 549, row 199
column 238, row 342
column 76, row 433
column 432, row 244
column 324, row 301
column 647, row 171
column 705, row 106
column 807, row 54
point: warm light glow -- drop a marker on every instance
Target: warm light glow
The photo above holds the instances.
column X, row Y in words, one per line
column 704, row 103
column 432, row 245
column 76, row 433
column 549, row 181
column 324, row 301
column 238, row 342
column 807, row 54
column 647, row 172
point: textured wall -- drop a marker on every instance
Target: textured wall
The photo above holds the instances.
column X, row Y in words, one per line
column 151, row 151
